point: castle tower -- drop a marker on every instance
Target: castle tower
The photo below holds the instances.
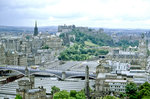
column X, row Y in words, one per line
column 35, row 29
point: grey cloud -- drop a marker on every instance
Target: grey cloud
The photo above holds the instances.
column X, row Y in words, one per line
column 22, row 4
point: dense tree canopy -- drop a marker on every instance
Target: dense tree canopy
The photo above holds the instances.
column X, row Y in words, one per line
column 126, row 43
column 79, row 52
column 61, row 95
column 110, row 97
column 131, row 90
column 143, row 92
column 69, row 95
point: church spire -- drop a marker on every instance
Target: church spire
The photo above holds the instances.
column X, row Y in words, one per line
column 35, row 29
column 35, row 23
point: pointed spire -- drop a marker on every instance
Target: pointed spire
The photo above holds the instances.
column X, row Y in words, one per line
column 26, row 71
column 35, row 29
column 35, row 23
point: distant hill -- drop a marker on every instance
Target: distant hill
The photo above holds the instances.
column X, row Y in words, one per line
column 126, row 31
column 17, row 29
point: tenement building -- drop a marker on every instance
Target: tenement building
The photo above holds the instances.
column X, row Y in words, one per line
column 108, row 83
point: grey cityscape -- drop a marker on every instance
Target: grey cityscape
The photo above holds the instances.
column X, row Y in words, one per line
column 74, row 49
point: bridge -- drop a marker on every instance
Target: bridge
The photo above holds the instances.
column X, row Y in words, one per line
column 58, row 73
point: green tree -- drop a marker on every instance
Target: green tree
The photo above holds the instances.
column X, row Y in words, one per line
column 144, row 90
column 122, row 95
column 18, row 96
column 146, row 97
column 131, row 90
column 61, row 95
column 80, row 95
column 54, row 89
column 110, row 97
column 45, row 47
column 73, row 93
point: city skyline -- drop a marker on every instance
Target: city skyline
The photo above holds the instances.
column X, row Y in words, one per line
column 92, row 13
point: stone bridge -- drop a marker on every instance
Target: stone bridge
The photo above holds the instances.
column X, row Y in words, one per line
column 58, row 73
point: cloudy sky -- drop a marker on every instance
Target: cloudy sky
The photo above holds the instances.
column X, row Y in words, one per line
column 92, row 13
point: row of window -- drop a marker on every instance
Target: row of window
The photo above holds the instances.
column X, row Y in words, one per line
column 118, row 83
column 117, row 86
column 118, row 89
column 125, row 56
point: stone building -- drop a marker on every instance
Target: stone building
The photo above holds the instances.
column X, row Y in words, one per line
column 117, row 66
column 114, row 82
column 134, row 58
column 36, row 43
column 2, row 54
column 65, row 28
column 116, row 85
column 11, row 58
column 37, row 59
column 22, row 50
column 54, row 42
column 15, row 58
column 101, row 88
column 142, row 48
column 106, row 82
column 27, row 91
column 22, row 59
column 11, row 43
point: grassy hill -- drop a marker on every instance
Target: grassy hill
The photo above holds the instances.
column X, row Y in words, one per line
column 90, row 44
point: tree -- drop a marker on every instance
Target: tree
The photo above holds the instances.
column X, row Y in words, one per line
column 54, row 89
column 57, row 94
column 110, row 97
column 146, row 97
column 45, row 47
column 80, row 95
column 18, row 96
column 131, row 90
column 122, row 95
column 73, row 93
column 144, row 90
column 61, row 95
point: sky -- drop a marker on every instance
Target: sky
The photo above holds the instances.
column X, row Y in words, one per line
column 91, row 13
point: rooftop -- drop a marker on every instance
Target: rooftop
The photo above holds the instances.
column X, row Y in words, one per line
column 33, row 90
column 115, row 81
